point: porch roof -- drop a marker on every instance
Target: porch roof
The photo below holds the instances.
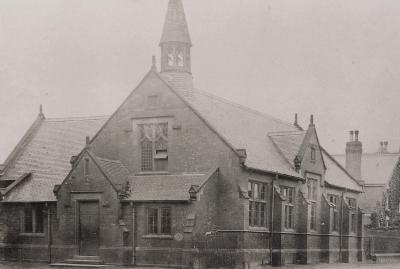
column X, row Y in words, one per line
column 164, row 187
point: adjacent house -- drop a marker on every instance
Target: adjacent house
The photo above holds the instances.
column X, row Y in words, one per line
column 379, row 173
column 177, row 177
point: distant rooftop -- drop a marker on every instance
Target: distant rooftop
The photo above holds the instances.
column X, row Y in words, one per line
column 376, row 167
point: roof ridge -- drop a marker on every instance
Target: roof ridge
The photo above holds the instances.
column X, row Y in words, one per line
column 243, row 107
column 285, row 133
column 372, row 153
column 60, row 119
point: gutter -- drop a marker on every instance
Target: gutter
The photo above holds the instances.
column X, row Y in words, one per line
column 273, row 173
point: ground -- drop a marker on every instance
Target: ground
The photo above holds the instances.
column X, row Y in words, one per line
column 14, row 265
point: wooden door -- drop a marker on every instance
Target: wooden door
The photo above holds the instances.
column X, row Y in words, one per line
column 89, row 228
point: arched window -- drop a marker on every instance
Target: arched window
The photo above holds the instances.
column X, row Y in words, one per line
column 171, row 57
column 154, row 146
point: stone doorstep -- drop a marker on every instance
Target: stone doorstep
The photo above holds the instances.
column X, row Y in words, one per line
column 386, row 257
column 78, row 266
column 81, row 262
column 93, row 260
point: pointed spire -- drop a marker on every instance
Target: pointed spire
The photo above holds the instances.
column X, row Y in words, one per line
column 175, row 26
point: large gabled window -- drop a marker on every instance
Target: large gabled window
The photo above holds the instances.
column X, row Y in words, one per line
column 33, row 219
column 153, row 138
column 258, row 210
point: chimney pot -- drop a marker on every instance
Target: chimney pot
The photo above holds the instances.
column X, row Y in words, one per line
column 351, row 136
column 356, row 134
column 311, row 120
column 87, row 140
column 295, row 119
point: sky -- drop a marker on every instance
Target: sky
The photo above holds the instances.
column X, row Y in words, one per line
column 336, row 59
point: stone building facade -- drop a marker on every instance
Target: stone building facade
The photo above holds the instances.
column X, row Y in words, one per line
column 177, row 177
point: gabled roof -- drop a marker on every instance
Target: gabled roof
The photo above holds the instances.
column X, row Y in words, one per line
column 289, row 143
column 376, row 168
column 165, row 187
column 175, row 25
column 45, row 154
column 337, row 176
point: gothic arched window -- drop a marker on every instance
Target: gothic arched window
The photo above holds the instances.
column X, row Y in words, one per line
column 154, row 146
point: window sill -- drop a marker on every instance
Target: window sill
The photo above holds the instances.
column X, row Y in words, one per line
column 258, row 229
column 149, row 173
column 158, row 236
column 32, row 234
column 289, row 230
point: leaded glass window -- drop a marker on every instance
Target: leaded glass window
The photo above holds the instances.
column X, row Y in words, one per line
column 154, row 146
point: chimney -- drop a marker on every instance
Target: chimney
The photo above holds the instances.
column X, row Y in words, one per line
column 385, row 146
column 353, row 155
column 296, row 122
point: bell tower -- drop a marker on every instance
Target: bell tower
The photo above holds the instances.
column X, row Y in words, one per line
column 175, row 45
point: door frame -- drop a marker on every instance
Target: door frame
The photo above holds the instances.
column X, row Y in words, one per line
column 77, row 224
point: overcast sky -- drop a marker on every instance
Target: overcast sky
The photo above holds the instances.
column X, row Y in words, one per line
column 336, row 59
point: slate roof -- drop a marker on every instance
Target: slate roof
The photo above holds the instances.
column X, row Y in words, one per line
column 243, row 128
column 336, row 175
column 116, row 172
column 46, row 153
column 376, row 168
column 164, row 187
column 288, row 143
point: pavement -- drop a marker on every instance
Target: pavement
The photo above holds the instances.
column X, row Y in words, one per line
column 17, row 265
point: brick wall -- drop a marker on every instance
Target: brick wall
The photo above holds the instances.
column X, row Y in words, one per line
column 77, row 187
column 19, row 246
